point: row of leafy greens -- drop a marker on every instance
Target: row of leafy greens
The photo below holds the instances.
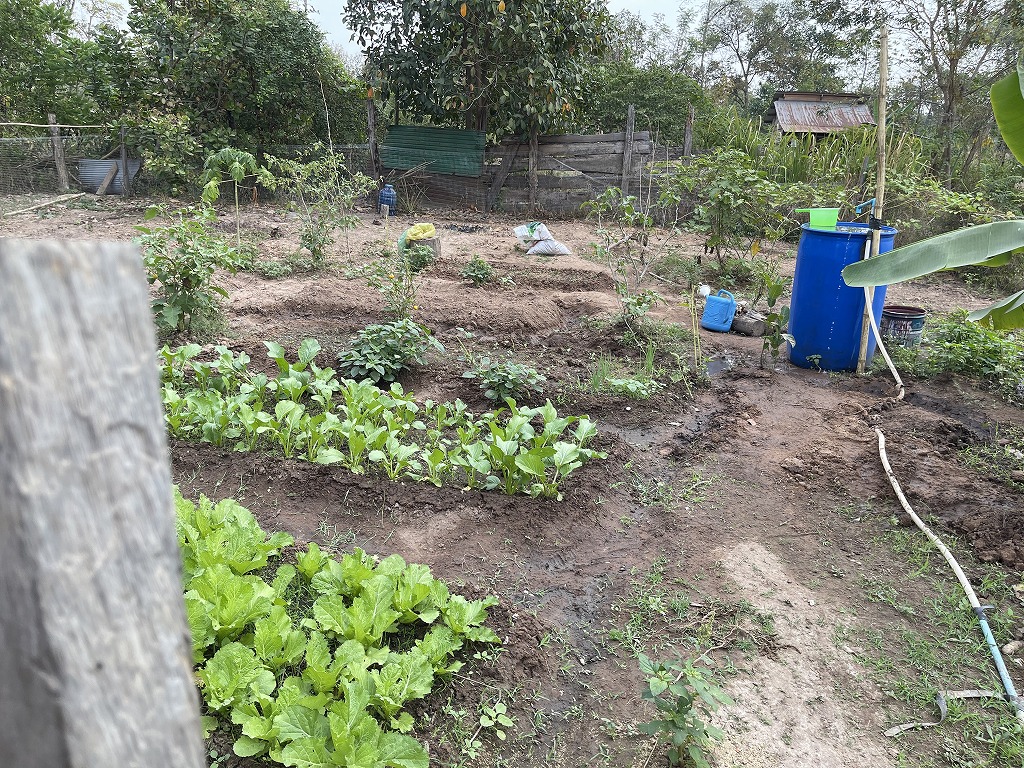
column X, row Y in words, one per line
column 315, row 667
column 310, row 413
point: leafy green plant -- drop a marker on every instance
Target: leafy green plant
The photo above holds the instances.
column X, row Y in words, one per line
column 392, row 276
column 418, row 257
column 381, row 352
column 606, row 377
column 323, row 193
column 682, row 694
column 776, row 324
column 181, row 258
column 996, row 358
column 504, row 379
column 735, row 204
column 326, row 685
column 478, row 271
column 305, row 412
column 236, row 165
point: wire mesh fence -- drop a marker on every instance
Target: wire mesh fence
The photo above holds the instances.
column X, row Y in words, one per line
column 570, row 171
column 28, row 164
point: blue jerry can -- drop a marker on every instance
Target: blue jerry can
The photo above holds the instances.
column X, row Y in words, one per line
column 718, row 312
column 388, row 197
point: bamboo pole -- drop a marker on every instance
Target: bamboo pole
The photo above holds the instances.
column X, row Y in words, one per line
column 61, row 199
column 876, row 234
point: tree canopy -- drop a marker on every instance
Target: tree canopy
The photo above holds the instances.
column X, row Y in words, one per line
column 484, row 64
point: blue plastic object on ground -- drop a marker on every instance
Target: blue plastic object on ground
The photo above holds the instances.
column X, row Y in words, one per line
column 718, row 312
column 825, row 313
column 388, row 197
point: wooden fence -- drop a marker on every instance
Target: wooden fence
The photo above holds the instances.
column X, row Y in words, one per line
column 570, row 170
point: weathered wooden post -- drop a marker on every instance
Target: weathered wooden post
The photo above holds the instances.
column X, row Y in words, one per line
column 627, row 154
column 96, row 663
column 63, row 185
column 126, row 177
column 371, row 134
column 532, row 172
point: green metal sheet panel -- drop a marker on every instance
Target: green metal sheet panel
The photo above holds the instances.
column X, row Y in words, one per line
column 445, row 150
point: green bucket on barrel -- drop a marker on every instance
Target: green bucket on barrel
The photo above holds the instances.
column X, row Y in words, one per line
column 822, row 218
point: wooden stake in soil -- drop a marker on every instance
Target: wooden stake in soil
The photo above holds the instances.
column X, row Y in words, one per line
column 96, row 668
column 534, row 130
column 125, row 175
column 371, row 133
column 876, row 234
column 58, row 155
column 627, row 155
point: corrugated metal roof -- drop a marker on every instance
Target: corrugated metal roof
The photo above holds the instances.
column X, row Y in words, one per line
column 820, row 116
column 444, row 150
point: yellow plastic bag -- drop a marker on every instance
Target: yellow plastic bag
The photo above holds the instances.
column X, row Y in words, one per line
column 420, row 232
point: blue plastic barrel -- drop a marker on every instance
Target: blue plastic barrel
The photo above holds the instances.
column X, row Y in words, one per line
column 825, row 313
column 388, row 197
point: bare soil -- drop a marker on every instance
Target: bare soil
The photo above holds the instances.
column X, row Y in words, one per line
column 778, row 505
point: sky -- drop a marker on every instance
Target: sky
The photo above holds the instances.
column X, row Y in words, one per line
column 328, row 17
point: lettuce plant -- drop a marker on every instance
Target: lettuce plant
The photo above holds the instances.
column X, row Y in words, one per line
column 324, row 687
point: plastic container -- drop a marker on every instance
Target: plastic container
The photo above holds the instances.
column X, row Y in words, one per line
column 91, row 174
column 822, row 218
column 718, row 312
column 388, row 197
column 903, row 325
column 825, row 313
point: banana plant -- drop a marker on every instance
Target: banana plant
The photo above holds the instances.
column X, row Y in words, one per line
column 987, row 245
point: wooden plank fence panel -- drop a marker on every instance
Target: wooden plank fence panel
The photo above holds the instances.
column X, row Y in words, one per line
column 596, row 138
column 568, row 149
column 96, row 662
column 610, row 164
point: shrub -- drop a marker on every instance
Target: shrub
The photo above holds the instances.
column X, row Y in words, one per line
column 323, row 193
column 182, row 257
column 478, row 271
column 391, row 275
column 381, row 352
column 506, row 379
column 418, row 257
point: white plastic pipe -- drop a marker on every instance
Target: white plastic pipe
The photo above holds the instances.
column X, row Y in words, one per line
column 869, row 311
column 979, row 610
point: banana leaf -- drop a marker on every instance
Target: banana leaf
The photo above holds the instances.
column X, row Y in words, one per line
column 987, row 245
column 1004, row 315
column 1008, row 107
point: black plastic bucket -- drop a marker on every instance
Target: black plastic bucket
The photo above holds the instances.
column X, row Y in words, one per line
column 902, row 325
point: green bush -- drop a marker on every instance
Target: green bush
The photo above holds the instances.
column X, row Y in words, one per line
column 418, row 257
column 181, row 258
column 381, row 352
column 955, row 345
column 478, row 271
column 505, row 379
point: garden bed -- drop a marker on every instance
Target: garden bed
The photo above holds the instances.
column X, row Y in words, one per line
column 746, row 518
